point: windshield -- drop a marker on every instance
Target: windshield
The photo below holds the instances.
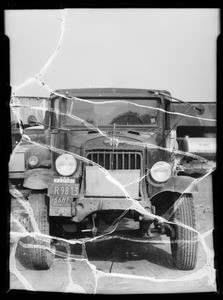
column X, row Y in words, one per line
column 113, row 111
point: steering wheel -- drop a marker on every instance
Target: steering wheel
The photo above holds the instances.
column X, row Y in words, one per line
column 130, row 119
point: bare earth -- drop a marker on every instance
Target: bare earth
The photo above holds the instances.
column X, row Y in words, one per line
column 120, row 266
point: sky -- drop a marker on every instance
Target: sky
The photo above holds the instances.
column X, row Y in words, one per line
column 167, row 49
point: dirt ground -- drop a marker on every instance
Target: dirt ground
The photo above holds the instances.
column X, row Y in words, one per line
column 123, row 266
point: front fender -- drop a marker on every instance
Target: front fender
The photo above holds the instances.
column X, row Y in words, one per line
column 180, row 184
column 38, row 179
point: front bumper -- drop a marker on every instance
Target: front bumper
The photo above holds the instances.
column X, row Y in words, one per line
column 85, row 206
column 82, row 207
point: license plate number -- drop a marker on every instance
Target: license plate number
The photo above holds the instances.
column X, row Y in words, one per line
column 62, row 194
column 60, row 200
column 65, row 190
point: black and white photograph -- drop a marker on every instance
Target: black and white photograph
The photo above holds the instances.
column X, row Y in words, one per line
column 113, row 150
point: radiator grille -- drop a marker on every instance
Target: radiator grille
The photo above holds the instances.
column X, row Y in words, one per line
column 116, row 160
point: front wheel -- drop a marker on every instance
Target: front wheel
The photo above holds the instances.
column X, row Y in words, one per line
column 41, row 251
column 183, row 240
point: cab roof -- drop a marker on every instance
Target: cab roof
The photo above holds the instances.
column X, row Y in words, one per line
column 109, row 92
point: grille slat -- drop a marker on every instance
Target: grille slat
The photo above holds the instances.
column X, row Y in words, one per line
column 116, row 160
column 116, row 155
column 104, row 159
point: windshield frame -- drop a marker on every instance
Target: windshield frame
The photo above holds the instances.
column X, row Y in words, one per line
column 60, row 121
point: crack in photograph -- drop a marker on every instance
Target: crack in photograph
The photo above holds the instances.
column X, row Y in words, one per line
column 113, row 134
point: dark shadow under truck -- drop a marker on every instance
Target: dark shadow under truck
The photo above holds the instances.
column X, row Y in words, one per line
column 65, row 169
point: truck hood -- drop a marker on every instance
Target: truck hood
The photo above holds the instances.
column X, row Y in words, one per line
column 122, row 139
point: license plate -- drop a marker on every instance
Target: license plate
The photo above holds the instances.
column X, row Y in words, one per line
column 60, row 200
column 62, row 194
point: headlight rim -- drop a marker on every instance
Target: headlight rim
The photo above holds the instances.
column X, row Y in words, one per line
column 61, row 173
column 154, row 177
column 32, row 165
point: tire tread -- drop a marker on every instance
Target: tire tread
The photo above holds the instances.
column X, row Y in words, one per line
column 41, row 258
column 184, row 246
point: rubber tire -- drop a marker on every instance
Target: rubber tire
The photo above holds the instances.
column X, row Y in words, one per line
column 184, row 244
column 42, row 256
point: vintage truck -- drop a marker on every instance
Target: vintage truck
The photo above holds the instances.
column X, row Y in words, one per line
column 102, row 155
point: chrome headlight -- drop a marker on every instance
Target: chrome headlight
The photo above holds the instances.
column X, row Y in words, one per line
column 161, row 171
column 32, row 161
column 66, row 164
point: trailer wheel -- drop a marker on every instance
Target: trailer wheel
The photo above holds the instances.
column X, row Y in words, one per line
column 41, row 251
column 183, row 241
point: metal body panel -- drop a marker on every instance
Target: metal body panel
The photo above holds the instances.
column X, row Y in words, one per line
column 126, row 140
column 102, row 185
column 63, row 211
column 16, row 175
column 109, row 92
column 38, row 179
column 85, row 206
column 17, row 160
column 179, row 184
